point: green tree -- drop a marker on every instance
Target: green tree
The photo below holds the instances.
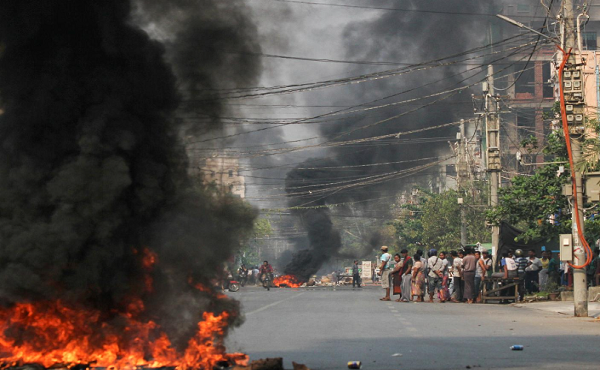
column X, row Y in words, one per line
column 435, row 220
column 535, row 203
column 248, row 253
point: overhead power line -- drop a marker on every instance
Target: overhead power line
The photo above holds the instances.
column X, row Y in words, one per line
column 405, row 10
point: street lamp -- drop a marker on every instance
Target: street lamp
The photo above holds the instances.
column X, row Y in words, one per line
column 521, row 25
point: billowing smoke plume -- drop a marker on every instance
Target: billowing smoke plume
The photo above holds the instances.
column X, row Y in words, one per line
column 323, row 239
column 91, row 168
column 402, row 37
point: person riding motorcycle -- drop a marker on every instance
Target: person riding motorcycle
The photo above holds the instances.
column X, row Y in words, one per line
column 243, row 274
column 265, row 268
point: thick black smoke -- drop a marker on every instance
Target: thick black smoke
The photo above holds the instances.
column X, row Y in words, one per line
column 91, row 167
column 324, row 240
column 403, row 37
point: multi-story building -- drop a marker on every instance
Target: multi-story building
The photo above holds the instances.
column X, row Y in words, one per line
column 224, row 172
column 527, row 84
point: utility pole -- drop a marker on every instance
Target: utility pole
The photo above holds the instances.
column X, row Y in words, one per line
column 575, row 103
column 462, row 174
column 493, row 148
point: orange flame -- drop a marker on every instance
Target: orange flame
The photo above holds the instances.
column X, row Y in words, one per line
column 287, row 280
column 51, row 333
column 56, row 333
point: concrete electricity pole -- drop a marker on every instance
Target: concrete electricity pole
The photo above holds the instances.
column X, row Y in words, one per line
column 576, row 133
column 462, row 175
column 493, row 148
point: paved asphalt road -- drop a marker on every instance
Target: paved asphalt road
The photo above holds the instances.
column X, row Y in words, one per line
column 325, row 328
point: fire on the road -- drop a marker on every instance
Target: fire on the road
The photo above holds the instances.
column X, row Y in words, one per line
column 287, row 281
column 56, row 332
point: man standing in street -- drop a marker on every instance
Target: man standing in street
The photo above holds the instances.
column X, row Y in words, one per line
column 469, row 265
column 355, row 274
column 384, row 271
column 532, row 273
column 436, row 266
column 456, row 276
column 521, row 263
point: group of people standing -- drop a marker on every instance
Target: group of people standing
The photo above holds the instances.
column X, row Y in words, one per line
column 536, row 273
column 455, row 277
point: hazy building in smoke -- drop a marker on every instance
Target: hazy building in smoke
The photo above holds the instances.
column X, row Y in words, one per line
column 224, row 172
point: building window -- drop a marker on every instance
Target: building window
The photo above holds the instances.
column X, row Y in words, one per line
column 451, row 170
column 230, row 173
column 522, row 8
column 548, row 85
column 526, row 123
column 526, row 81
column 589, row 40
column 212, row 173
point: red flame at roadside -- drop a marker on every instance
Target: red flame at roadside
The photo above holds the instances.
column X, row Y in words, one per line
column 53, row 333
column 287, row 281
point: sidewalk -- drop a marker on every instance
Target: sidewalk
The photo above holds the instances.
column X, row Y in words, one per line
column 560, row 307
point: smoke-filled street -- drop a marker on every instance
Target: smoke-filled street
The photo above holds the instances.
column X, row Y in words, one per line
column 159, row 156
column 325, row 328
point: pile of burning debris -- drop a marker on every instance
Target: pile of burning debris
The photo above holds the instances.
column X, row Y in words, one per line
column 329, row 280
column 239, row 362
column 263, row 364
column 290, row 281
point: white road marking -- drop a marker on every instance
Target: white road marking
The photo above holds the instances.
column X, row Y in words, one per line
column 273, row 304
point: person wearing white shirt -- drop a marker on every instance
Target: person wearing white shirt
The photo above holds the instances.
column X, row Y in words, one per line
column 384, row 268
column 436, row 274
column 532, row 272
column 457, row 276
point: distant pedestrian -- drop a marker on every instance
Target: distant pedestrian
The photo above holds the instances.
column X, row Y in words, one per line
column 384, row 271
column 543, row 276
column 469, row 264
column 591, row 269
column 418, row 278
column 445, row 290
column 424, row 262
column 596, row 263
column 396, row 278
column 532, row 272
column 255, row 272
column 406, row 273
column 509, row 266
column 487, row 261
column 480, row 271
column 553, row 270
column 250, row 276
column 355, row 274
column 521, row 261
column 457, row 276
column 435, row 275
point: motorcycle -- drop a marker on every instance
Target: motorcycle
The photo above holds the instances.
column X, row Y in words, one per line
column 234, row 285
column 243, row 277
column 230, row 284
column 266, row 280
